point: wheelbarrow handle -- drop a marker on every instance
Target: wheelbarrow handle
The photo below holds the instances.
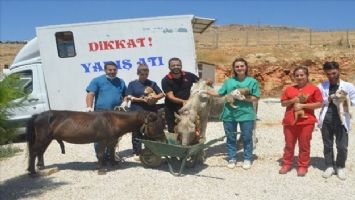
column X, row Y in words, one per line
column 211, row 142
column 171, row 169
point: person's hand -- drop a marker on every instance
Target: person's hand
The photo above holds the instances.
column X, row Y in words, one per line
column 332, row 98
column 302, row 99
column 123, row 107
column 89, row 109
column 244, row 91
column 124, row 104
column 130, row 98
column 184, row 102
column 151, row 101
column 296, row 100
column 298, row 106
column 209, row 82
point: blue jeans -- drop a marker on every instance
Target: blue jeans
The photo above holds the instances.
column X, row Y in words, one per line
column 137, row 144
column 96, row 144
column 230, row 129
column 107, row 153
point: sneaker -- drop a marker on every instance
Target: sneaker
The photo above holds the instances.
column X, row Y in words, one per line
column 246, row 164
column 341, row 173
column 328, row 172
column 136, row 157
column 118, row 158
column 301, row 171
column 284, row 169
column 231, row 164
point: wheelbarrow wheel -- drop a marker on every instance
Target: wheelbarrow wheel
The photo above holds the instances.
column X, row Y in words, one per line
column 149, row 159
column 196, row 159
column 191, row 162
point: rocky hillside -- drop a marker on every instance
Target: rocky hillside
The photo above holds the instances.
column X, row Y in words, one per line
column 8, row 52
column 273, row 67
column 273, row 53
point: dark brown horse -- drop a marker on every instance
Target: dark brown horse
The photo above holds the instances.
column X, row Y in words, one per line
column 104, row 127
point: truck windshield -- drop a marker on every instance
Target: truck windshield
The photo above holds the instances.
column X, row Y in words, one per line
column 24, row 80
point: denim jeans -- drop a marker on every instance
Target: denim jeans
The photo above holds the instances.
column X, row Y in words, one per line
column 107, row 153
column 137, row 144
column 96, row 144
column 230, row 129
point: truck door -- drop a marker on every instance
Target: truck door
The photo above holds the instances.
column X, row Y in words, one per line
column 31, row 77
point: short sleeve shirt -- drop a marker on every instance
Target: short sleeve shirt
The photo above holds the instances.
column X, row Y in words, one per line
column 108, row 93
column 136, row 89
column 180, row 87
column 293, row 91
column 244, row 110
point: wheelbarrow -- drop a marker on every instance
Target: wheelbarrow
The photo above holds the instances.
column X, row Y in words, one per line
column 151, row 155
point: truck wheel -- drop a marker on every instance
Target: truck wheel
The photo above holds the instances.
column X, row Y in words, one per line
column 149, row 159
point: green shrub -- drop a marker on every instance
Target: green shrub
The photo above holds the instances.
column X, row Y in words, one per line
column 10, row 89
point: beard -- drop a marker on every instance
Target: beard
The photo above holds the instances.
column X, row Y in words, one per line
column 176, row 71
column 335, row 79
column 111, row 76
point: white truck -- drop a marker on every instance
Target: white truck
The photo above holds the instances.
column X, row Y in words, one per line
column 59, row 63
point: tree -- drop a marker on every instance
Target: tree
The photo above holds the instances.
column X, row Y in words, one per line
column 10, row 89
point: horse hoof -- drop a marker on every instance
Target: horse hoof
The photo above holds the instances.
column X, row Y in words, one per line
column 101, row 172
column 113, row 163
column 40, row 167
column 33, row 174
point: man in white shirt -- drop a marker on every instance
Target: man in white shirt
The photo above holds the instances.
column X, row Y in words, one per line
column 330, row 123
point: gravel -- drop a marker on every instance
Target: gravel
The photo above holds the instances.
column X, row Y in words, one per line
column 78, row 179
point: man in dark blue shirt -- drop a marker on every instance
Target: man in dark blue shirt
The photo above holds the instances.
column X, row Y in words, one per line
column 107, row 91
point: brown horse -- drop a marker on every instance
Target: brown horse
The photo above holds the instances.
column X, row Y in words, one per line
column 104, row 127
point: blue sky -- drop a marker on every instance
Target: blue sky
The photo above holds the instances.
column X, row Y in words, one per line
column 18, row 18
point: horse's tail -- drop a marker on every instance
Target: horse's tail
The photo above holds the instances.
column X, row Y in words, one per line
column 31, row 137
column 31, row 132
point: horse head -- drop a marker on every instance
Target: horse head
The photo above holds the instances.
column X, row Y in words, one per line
column 153, row 125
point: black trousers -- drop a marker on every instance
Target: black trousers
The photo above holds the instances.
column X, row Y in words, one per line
column 337, row 131
column 170, row 118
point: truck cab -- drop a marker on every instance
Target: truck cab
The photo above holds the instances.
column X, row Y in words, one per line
column 27, row 66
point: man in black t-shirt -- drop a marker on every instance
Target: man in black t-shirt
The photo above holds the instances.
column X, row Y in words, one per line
column 176, row 86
